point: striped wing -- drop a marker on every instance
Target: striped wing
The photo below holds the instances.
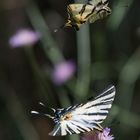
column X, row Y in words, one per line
column 96, row 15
column 75, row 9
column 90, row 13
column 96, row 2
column 88, row 116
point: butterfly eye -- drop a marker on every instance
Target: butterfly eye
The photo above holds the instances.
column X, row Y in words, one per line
column 57, row 115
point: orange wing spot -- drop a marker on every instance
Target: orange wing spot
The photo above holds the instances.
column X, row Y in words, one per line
column 67, row 117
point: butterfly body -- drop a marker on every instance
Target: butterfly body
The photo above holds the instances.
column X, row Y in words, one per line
column 79, row 14
column 83, row 117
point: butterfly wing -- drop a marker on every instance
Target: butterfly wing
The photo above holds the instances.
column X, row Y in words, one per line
column 75, row 9
column 86, row 117
column 96, row 109
column 97, row 2
column 88, row 12
column 99, row 15
column 64, row 128
column 101, row 11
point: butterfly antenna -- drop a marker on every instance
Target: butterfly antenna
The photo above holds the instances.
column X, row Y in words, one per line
column 47, row 115
column 42, row 104
column 34, row 112
column 41, row 114
column 126, row 6
column 48, row 107
column 54, row 110
column 123, row 6
column 59, row 28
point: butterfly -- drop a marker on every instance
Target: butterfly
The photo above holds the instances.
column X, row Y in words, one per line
column 79, row 14
column 83, row 117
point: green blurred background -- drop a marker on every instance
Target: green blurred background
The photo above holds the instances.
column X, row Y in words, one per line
column 106, row 52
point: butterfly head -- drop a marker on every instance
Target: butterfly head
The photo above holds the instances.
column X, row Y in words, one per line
column 62, row 115
column 57, row 115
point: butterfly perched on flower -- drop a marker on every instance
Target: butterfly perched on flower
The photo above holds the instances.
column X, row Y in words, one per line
column 79, row 14
column 83, row 117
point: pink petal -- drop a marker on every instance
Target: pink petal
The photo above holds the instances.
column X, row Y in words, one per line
column 24, row 37
column 63, row 72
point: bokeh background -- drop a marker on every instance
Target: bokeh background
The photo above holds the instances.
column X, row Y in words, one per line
column 62, row 68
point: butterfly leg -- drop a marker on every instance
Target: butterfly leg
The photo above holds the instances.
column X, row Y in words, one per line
column 41, row 114
column 54, row 110
column 47, row 115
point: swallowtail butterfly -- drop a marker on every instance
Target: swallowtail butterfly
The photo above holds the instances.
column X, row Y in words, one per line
column 83, row 117
column 79, row 14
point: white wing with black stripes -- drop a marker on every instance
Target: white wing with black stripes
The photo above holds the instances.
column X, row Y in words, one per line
column 84, row 117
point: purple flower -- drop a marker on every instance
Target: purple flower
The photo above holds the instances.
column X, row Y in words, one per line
column 104, row 135
column 24, row 37
column 63, row 72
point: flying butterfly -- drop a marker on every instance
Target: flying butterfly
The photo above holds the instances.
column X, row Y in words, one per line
column 79, row 14
column 83, row 117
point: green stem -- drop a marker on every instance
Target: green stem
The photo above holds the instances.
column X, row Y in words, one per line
column 41, row 82
column 49, row 45
column 16, row 110
column 129, row 118
column 118, row 13
column 83, row 45
column 128, row 76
